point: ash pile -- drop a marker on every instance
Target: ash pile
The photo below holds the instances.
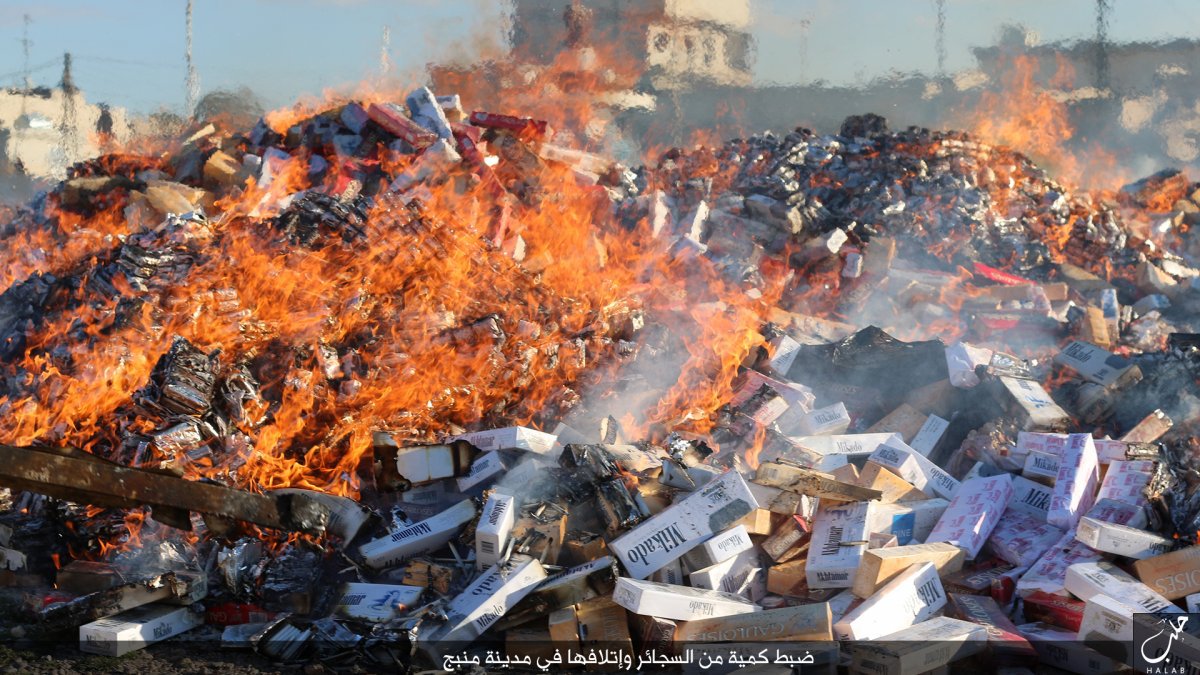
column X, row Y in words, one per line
column 959, row 429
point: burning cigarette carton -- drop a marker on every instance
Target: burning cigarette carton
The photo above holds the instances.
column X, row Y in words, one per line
column 487, row 599
column 1060, row 648
column 792, row 624
column 909, row 521
column 1174, row 575
column 1050, row 573
column 1086, row 580
column 853, row 446
column 1150, row 429
column 375, row 603
column 1075, row 487
column 1005, row 644
column 1126, row 481
column 926, row 646
column 828, row 421
column 495, row 525
column 1030, row 498
column 1097, row 365
column 879, row 566
column 1037, row 410
column 785, row 349
column 679, row 603
column 719, row 548
column 740, row 575
column 569, row 587
column 419, row 538
column 427, row 112
column 392, row 118
column 136, row 628
column 1108, row 450
column 797, row 396
column 973, row 513
column 486, row 467
column 913, row 596
column 915, row 468
column 1021, row 539
column 1042, row 467
column 929, row 436
column 424, row 463
column 961, row 361
column 811, row 482
column 346, row 516
column 511, row 438
column 1121, row 540
column 684, row 525
column 839, row 539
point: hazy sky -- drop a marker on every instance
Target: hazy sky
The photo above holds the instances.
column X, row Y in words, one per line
column 131, row 52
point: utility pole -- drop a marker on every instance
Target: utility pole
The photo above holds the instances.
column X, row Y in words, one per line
column 385, row 63
column 939, row 44
column 26, row 84
column 1103, row 7
column 69, row 133
column 192, row 83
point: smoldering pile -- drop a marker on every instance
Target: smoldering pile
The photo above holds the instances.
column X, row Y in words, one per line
column 577, row 483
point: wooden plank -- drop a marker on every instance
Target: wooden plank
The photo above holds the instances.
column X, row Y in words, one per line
column 812, row 483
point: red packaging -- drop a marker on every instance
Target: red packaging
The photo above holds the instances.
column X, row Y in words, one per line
column 236, row 613
column 467, row 139
column 1006, row 644
column 976, row 579
column 521, row 125
column 1056, row 610
column 392, row 118
column 999, row 276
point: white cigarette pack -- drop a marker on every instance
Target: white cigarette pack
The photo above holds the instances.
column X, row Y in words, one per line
column 910, row 598
column 136, row 628
column 1112, row 511
column 487, row 599
column 912, row 466
column 785, row 349
column 1021, row 539
column 1042, row 467
column 1105, row 617
column 840, row 536
column 671, row 573
column 423, row 463
column 1041, row 410
column 491, row 534
column 678, row 603
column 720, row 547
column 1108, row 450
column 929, row 434
column 827, row 421
column 684, row 525
column 1097, row 365
column 742, row 575
column 1126, row 481
column 510, row 438
column 961, row 361
column 826, row 453
column 1086, row 580
column 418, row 538
column 1031, row 498
column 375, row 603
column 1075, row 488
column 485, row 467
column 973, row 513
column 1035, row 441
column 1050, row 573
column 920, row 648
column 1121, row 540
column 911, row 522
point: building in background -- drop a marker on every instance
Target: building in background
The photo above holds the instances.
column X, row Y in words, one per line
column 44, row 130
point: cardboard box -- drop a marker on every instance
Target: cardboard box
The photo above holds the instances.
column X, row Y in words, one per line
column 488, row 598
column 1038, row 411
column 1041, row 467
column 789, row 578
column 569, row 587
column 904, row 420
column 827, row 421
column 1174, row 574
column 893, row 488
column 1031, row 498
column 1021, row 539
column 810, row 482
column 684, row 525
column 492, row 533
column 604, row 624
column 1121, row 540
column 679, row 603
column 743, row 575
column 929, row 436
column 913, row 596
column 920, row 648
column 136, row 628
column 879, row 566
column 1106, row 618
column 423, row 463
column 912, row 466
column 1075, row 487
column 1005, row 644
column 1126, row 481
column 1054, row 610
column 1060, row 649
column 375, row 603
column 785, row 543
column 1050, row 573
column 426, row 535
column 973, row 513
column 791, row 624
column 485, row 468
column 719, row 548
column 1097, row 365
column 839, row 539
column 853, row 447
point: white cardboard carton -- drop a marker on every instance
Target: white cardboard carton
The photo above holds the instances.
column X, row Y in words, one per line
column 929, row 434
column 485, row 467
column 1121, row 540
column 1097, row 365
column 1031, row 498
column 1050, row 573
column 742, row 575
column 840, row 536
column 419, row 538
column 1075, row 488
column 1042, row 467
column 136, row 628
column 1021, row 539
column 487, row 599
column 973, row 513
column 491, row 534
column 920, row 648
column 510, row 438
column 911, row 522
column 910, row 598
column 376, row 603
column 678, row 603
column 834, row 419
column 720, row 547
column 1086, row 580
column 1126, row 481
column 912, row 466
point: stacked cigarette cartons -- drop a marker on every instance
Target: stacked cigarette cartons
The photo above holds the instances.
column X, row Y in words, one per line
column 742, row 575
column 719, row 548
column 913, row 596
column 1086, row 580
column 838, row 542
column 827, row 421
column 920, row 648
column 1042, row 467
column 973, row 513
column 1075, row 487
column 511, row 438
column 1030, row 498
column 1097, row 365
column 1049, row 574
column 424, row 536
column 684, row 525
column 911, row 522
column 136, row 628
column 486, row 600
column 679, row 603
column 1125, row 481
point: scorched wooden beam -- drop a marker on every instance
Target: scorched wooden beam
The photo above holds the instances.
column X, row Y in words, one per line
column 78, row 477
